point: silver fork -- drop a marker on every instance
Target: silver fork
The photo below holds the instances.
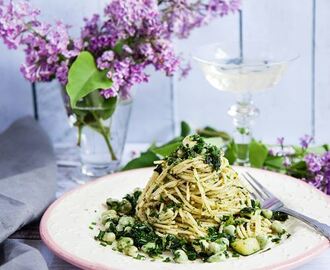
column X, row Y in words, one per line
column 271, row 202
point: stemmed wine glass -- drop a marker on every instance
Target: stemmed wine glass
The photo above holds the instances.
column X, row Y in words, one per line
column 243, row 72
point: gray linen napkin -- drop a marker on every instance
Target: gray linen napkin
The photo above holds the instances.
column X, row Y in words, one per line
column 27, row 186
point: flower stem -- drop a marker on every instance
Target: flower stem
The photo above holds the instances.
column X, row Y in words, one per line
column 80, row 127
column 106, row 136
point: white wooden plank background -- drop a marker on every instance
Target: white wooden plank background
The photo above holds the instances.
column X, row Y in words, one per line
column 195, row 100
column 286, row 108
column 299, row 104
column 322, row 70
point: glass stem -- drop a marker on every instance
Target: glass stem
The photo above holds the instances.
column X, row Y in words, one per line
column 243, row 114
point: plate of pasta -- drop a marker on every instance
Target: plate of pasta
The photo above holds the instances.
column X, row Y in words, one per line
column 191, row 211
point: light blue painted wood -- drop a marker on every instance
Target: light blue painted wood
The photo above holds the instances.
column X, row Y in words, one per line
column 15, row 95
column 196, row 101
column 152, row 109
column 286, row 110
column 322, row 72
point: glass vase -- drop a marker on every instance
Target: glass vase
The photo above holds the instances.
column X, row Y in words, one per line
column 101, row 132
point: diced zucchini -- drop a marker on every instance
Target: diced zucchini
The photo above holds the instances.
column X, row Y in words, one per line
column 277, row 227
column 216, row 258
column 263, row 241
column 267, row 213
column 246, row 246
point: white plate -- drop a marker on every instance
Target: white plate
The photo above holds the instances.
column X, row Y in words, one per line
column 65, row 226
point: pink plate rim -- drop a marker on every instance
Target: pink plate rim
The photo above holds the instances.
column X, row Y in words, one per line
column 86, row 265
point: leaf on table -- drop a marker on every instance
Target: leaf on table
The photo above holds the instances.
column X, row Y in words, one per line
column 167, row 149
column 216, row 141
column 258, row 153
column 318, row 149
column 84, row 78
column 274, row 162
column 146, row 159
column 185, row 129
column 230, row 152
column 298, row 169
column 209, row 132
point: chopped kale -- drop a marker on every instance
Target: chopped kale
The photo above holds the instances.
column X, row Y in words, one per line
column 276, row 240
column 190, row 251
column 174, row 243
column 100, row 236
column 142, row 233
column 140, row 257
column 167, row 259
column 246, row 212
column 159, row 169
column 213, row 234
column 113, row 204
column 280, row 216
column 133, row 199
column 255, row 204
column 196, row 146
column 212, row 157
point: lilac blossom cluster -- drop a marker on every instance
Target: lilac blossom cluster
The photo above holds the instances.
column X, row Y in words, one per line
column 48, row 48
column 319, row 168
column 182, row 16
column 130, row 36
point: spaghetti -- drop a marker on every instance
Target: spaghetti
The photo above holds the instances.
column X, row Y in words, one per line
column 193, row 205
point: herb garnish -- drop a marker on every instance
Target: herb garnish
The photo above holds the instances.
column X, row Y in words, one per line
column 191, row 147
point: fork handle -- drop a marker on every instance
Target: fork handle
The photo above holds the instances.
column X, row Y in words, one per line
column 322, row 228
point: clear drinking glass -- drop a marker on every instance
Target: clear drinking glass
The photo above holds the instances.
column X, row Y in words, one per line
column 101, row 155
column 243, row 71
column 101, row 134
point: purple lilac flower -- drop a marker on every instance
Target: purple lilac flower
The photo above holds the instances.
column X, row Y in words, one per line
column 182, row 16
column 280, row 141
column 287, row 161
column 319, row 169
column 132, row 35
column 184, row 70
column 15, row 19
column 47, row 48
column 305, row 141
column 126, row 61
column 326, row 161
column 314, row 162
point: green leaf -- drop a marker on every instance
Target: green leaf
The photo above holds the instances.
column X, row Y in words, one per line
column 166, row 149
column 146, row 159
column 84, row 78
column 104, row 107
column 298, row 169
column 318, row 149
column 258, row 153
column 217, row 141
column 209, row 132
column 274, row 162
column 230, row 152
column 185, row 129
